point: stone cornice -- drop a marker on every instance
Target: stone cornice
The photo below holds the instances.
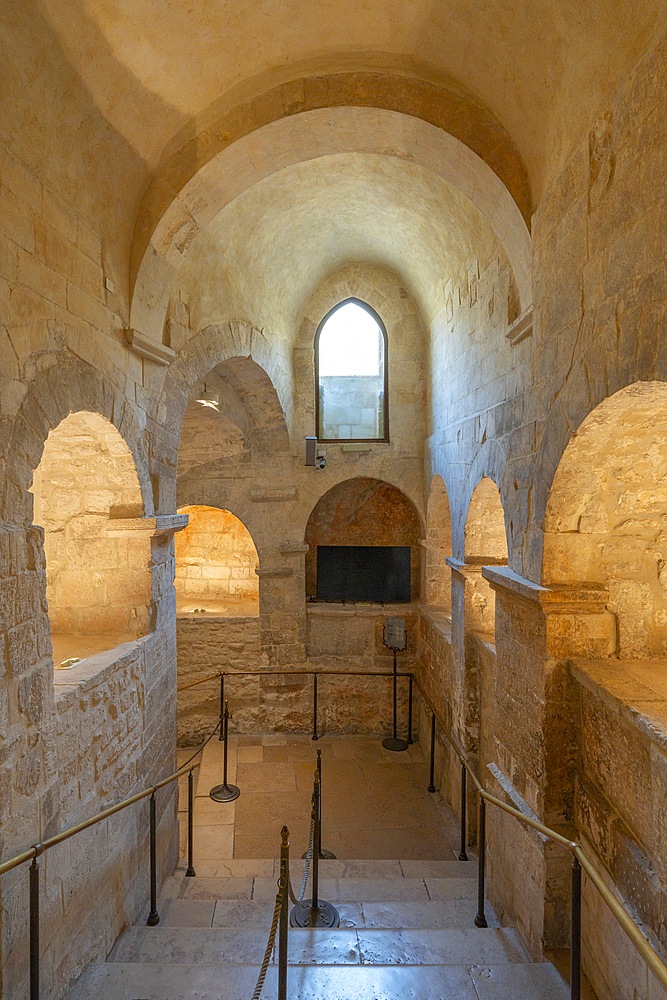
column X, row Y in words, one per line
column 161, row 524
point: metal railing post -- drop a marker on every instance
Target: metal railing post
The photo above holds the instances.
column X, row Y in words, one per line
column 225, row 792
column 431, row 786
column 410, row 740
column 284, row 916
column 464, row 804
column 190, row 873
column 315, row 869
column 575, row 932
column 153, row 916
column 480, row 919
column 317, row 913
column 34, row 930
column 221, row 735
column 315, row 736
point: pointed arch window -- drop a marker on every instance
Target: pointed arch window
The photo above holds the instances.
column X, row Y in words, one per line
column 351, row 398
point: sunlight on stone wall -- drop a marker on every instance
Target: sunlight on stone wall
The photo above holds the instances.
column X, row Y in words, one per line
column 216, row 561
column 96, row 583
column 606, row 519
column 485, row 543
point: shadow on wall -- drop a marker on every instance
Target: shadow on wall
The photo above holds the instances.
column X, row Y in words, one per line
column 364, row 511
column 98, row 583
column 437, row 588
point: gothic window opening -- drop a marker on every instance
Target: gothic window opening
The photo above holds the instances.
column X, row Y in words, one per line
column 351, row 399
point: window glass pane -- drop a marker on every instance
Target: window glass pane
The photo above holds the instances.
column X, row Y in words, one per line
column 351, row 376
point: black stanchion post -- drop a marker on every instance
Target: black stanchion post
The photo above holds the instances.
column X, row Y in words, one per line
column 284, row 916
column 431, row 786
column 221, row 734
column 480, row 919
column 315, row 736
column 225, row 792
column 34, row 930
column 575, row 932
column 153, row 916
column 395, row 638
column 325, row 855
column 410, row 740
column 464, row 804
column 190, row 873
column 317, row 913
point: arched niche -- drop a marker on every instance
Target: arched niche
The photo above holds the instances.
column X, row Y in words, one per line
column 98, row 581
column 485, row 544
column 606, row 517
column 216, row 563
column 364, row 511
column 437, row 575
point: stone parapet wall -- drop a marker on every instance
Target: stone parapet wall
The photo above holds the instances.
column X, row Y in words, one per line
column 620, row 803
column 345, row 640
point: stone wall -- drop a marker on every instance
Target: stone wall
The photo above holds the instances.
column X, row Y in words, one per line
column 619, row 804
column 216, row 560
column 344, row 639
column 96, row 582
column 351, row 406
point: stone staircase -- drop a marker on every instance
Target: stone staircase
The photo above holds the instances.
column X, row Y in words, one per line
column 406, row 934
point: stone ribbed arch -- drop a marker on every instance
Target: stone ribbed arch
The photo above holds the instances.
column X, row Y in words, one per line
column 246, row 358
column 192, row 185
column 69, row 386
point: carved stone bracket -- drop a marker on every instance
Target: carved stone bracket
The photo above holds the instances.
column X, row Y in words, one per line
column 521, row 328
column 161, row 524
column 150, row 349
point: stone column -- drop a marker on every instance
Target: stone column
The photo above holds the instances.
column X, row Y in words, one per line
column 530, row 759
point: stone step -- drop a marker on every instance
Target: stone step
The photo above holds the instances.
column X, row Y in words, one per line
column 341, row 946
column 117, row 981
column 344, row 890
column 361, row 868
column 257, row 913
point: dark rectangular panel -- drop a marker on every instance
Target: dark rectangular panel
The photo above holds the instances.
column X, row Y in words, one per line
column 377, row 573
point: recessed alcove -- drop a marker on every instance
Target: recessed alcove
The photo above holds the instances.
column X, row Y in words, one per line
column 97, row 582
column 485, row 544
column 364, row 512
column 216, row 563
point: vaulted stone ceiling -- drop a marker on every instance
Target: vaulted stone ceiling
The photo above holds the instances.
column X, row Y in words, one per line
column 543, row 68
column 122, row 104
column 267, row 251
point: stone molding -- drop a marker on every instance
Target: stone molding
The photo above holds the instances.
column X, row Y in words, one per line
column 521, row 328
column 582, row 599
column 161, row 524
column 294, row 549
column 274, row 571
column 272, row 496
column 147, row 348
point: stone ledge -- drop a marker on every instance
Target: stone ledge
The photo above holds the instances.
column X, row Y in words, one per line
column 521, row 328
column 294, row 549
column 162, row 524
column 147, row 348
column 272, row 496
column 558, row 599
column 274, row 571
column 97, row 668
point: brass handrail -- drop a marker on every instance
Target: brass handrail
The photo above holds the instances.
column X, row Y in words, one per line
column 639, row 940
column 38, row 849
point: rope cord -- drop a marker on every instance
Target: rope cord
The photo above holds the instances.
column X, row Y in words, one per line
column 203, row 746
column 270, row 943
column 306, row 870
